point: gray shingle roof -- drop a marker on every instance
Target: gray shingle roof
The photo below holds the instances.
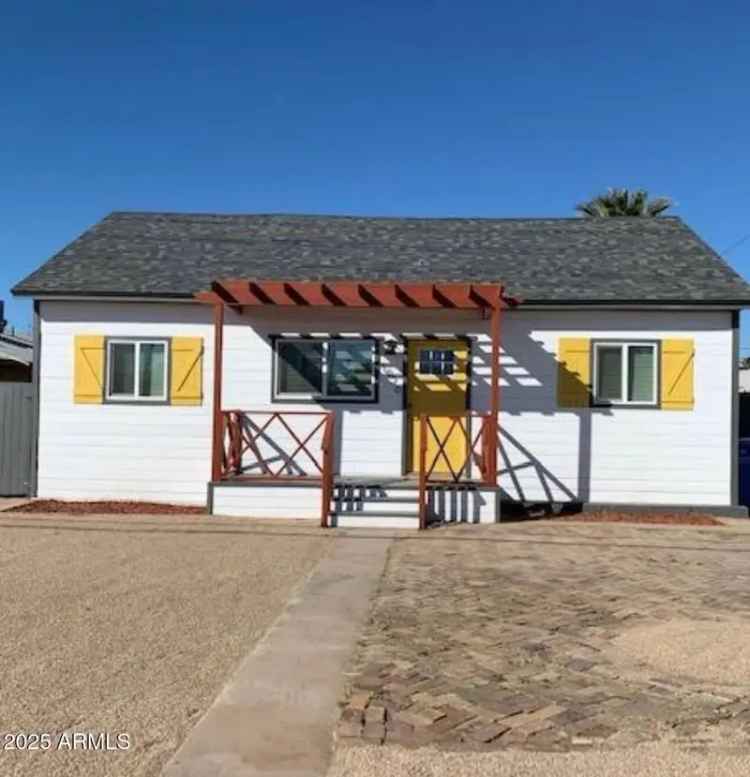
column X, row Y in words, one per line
column 541, row 260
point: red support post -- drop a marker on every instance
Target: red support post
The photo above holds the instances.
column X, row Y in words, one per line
column 423, row 471
column 326, row 485
column 218, row 420
column 494, row 436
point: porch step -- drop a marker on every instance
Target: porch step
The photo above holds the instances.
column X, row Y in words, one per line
column 356, row 520
column 379, row 513
column 394, row 503
column 390, row 505
column 374, row 498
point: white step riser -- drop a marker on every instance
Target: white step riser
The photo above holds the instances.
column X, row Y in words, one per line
column 373, row 495
column 376, row 507
column 374, row 522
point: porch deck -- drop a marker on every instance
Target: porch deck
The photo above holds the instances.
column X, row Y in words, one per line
column 359, row 501
column 285, row 459
column 408, row 481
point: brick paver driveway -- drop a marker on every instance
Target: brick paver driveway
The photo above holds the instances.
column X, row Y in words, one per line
column 510, row 636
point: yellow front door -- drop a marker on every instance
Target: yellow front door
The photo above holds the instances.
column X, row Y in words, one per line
column 437, row 383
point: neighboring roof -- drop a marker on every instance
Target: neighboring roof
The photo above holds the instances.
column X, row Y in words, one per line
column 634, row 260
column 16, row 348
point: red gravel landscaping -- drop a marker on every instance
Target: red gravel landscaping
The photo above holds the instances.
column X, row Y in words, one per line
column 111, row 507
column 682, row 519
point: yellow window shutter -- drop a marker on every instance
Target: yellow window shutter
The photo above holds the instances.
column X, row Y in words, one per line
column 186, row 373
column 573, row 372
column 677, row 367
column 88, row 369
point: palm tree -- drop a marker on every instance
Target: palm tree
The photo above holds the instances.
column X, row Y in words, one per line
column 623, row 202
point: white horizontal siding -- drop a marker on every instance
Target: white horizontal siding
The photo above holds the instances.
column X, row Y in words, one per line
column 268, row 501
column 616, row 454
column 110, row 451
column 603, row 455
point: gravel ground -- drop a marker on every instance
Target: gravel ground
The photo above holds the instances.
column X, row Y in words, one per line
column 654, row 518
column 645, row 761
column 131, row 627
column 710, row 651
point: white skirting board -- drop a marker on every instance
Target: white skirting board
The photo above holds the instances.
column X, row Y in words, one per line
column 266, row 501
column 445, row 504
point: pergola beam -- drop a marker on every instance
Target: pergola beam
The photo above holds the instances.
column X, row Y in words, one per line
column 354, row 294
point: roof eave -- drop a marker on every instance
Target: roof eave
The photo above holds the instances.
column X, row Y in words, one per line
column 527, row 301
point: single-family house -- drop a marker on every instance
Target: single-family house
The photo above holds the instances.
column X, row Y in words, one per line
column 387, row 371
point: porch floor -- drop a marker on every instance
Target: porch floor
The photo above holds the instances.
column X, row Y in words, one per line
column 386, row 481
column 405, row 481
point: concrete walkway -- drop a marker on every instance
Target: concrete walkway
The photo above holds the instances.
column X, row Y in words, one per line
column 276, row 716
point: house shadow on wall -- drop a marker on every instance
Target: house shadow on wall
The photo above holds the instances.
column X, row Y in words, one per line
column 530, row 375
column 530, row 486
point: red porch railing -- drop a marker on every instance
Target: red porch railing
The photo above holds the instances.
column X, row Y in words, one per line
column 279, row 445
column 479, row 446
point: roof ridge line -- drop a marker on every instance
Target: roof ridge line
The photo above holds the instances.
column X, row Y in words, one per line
column 354, row 217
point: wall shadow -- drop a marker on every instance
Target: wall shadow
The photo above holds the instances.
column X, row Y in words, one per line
column 529, row 375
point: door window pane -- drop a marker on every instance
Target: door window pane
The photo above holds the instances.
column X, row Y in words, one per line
column 300, row 366
column 609, row 373
column 641, row 373
column 122, row 369
column 437, row 361
column 350, row 368
column 151, row 369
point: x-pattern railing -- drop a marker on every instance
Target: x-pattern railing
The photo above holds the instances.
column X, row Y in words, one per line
column 246, row 431
column 457, row 422
column 460, row 468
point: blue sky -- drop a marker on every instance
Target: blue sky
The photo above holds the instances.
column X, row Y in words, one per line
column 383, row 108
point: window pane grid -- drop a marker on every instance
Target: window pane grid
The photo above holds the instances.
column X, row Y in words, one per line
column 437, row 361
column 122, row 369
column 625, row 373
column 300, row 367
column 325, row 369
column 610, row 372
column 136, row 370
column 349, row 366
column 640, row 373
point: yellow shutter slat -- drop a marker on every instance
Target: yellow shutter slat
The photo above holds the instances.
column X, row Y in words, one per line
column 677, row 368
column 574, row 372
column 186, row 373
column 88, row 369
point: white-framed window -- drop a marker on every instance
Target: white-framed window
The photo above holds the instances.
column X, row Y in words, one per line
column 338, row 369
column 626, row 373
column 137, row 370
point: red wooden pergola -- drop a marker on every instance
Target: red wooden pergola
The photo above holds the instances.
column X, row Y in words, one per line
column 489, row 298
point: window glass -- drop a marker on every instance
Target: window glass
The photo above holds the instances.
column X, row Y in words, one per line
column 609, row 372
column 437, row 361
column 122, row 369
column 641, row 373
column 300, row 367
column 151, row 370
column 350, row 368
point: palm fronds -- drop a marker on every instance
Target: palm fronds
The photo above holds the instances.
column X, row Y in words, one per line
column 623, row 202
